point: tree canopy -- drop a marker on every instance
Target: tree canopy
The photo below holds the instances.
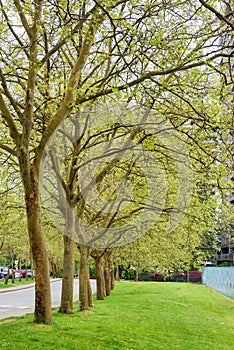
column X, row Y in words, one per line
column 59, row 57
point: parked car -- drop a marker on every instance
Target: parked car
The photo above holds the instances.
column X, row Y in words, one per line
column 5, row 273
column 30, row 273
column 2, row 273
column 18, row 272
column 23, row 273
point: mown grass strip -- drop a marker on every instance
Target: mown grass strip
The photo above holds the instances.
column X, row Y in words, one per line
column 136, row 316
column 16, row 283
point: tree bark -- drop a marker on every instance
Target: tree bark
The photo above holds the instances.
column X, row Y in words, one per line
column 42, row 312
column 66, row 305
column 107, row 275
column 57, row 270
column 99, row 278
column 107, row 281
column 117, row 278
column 104, row 283
column 112, row 273
column 32, row 268
column 8, row 274
column 90, row 293
column 84, row 278
column 20, row 277
column 12, row 270
column 26, row 271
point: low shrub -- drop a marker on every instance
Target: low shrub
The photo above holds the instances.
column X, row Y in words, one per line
column 194, row 277
column 177, row 277
column 155, row 277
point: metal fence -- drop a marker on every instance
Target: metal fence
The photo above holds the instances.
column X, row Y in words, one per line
column 220, row 279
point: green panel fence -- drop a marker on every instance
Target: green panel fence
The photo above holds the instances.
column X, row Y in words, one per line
column 220, row 279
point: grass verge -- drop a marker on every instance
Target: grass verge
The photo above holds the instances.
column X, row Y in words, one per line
column 17, row 283
column 136, row 316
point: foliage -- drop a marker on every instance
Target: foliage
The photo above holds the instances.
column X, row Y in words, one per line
column 14, row 242
column 154, row 277
column 194, row 276
column 224, row 264
column 59, row 56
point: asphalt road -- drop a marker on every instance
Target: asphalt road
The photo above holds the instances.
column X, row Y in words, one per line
column 18, row 302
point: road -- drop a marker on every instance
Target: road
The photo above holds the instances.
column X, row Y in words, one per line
column 19, row 302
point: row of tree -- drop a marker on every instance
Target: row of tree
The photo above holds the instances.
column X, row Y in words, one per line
column 59, row 58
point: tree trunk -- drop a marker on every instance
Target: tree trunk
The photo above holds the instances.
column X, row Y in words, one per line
column 12, row 270
column 117, row 273
column 26, row 271
column 107, row 281
column 31, row 264
column 66, row 305
column 8, row 274
column 50, row 258
column 103, row 283
column 20, row 277
column 107, row 275
column 57, row 270
column 84, row 278
column 99, row 278
column 90, row 293
column 112, row 272
column 52, row 267
column 42, row 312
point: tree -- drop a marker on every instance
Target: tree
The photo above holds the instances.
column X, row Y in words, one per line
column 97, row 255
column 65, row 54
column 224, row 14
column 13, row 233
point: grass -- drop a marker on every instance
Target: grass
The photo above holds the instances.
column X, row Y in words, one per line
column 136, row 316
column 17, row 283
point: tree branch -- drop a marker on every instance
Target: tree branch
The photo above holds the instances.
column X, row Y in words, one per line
column 6, row 114
column 13, row 102
column 69, row 36
column 23, row 18
column 32, row 75
column 217, row 14
column 70, row 95
column 12, row 30
column 8, row 149
column 149, row 75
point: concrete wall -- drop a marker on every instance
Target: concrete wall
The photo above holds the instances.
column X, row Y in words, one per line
column 220, row 279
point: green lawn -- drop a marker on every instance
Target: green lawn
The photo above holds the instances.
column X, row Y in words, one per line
column 136, row 316
column 17, row 283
